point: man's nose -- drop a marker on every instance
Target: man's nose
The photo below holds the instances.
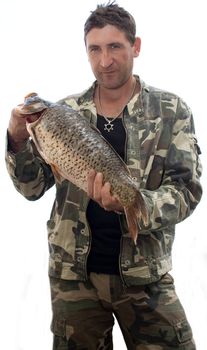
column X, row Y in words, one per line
column 106, row 59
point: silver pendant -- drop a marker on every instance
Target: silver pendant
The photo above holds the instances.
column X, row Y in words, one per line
column 109, row 126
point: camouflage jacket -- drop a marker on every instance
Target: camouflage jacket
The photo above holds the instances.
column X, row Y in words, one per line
column 162, row 155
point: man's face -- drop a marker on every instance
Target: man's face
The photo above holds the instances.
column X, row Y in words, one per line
column 111, row 55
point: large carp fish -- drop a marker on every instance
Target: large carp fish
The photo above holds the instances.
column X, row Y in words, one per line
column 72, row 147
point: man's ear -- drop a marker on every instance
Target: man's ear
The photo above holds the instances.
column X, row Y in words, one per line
column 137, row 47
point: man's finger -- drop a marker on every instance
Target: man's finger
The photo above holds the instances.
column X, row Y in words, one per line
column 90, row 183
column 98, row 184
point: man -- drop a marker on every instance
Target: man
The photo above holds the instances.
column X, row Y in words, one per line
column 96, row 270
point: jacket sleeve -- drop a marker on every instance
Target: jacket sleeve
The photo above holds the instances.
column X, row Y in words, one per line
column 29, row 173
column 180, row 189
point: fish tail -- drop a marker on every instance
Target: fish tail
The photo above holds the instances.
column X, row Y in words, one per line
column 136, row 212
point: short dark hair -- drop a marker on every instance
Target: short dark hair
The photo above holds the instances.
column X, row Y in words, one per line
column 111, row 13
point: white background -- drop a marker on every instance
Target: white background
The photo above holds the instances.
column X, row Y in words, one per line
column 42, row 50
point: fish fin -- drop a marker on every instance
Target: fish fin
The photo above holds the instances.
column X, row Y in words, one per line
column 134, row 214
column 94, row 127
column 109, row 144
column 56, row 172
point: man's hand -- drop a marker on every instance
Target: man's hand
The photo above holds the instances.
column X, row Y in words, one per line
column 17, row 131
column 101, row 194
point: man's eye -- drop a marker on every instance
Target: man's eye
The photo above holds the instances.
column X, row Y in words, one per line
column 94, row 49
column 115, row 46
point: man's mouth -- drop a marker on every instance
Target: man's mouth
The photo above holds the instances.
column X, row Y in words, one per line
column 108, row 72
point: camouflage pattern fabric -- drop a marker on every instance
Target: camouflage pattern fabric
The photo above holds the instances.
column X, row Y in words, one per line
column 162, row 155
column 150, row 317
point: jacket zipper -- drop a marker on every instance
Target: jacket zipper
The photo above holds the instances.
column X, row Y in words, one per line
column 121, row 247
column 89, row 244
column 89, row 229
column 121, row 240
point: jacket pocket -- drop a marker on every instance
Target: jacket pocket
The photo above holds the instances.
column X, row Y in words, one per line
column 61, row 328
column 183, row 332
column 58, row 327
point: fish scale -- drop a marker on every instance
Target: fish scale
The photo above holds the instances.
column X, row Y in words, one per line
column 72, row 147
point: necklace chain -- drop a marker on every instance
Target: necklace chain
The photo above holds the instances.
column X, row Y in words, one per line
column 109, row 126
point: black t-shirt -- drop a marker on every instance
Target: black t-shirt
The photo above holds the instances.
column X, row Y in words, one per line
column 105, row 225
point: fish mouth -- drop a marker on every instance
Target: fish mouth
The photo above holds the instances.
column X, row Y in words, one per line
column 34, row 108
column 32, row 104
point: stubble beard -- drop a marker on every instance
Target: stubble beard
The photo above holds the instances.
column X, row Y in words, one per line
column 112, row 84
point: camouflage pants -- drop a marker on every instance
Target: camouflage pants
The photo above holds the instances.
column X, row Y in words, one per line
column 150, row 317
